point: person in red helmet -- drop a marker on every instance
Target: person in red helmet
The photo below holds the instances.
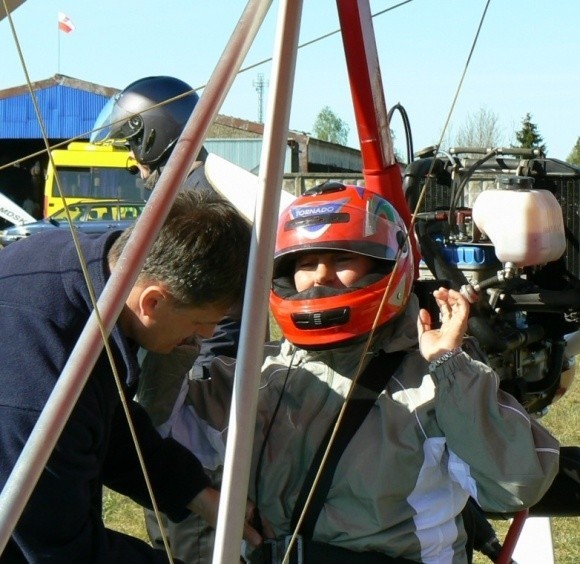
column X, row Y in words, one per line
column 423, row 420
column 326, row 220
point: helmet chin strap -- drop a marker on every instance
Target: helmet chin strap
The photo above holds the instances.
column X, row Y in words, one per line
column 155, row 171
column 152, row 179
column 157, row 168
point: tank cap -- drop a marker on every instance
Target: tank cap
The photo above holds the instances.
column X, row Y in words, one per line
column 514, row 183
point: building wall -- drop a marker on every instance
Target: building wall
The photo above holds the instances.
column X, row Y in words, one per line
column 70, row 106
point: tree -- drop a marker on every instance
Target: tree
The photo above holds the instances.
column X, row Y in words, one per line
column 574, row 156
column 480, row 130
column 329, row 127
column 528, row 136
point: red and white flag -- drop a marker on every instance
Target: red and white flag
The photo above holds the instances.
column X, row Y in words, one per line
column 64, row 23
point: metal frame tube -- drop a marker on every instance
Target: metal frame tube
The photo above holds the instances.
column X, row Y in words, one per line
column 234, row 490
column 511, row 539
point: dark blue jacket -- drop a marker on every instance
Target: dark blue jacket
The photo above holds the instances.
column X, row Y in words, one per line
column 44, row 306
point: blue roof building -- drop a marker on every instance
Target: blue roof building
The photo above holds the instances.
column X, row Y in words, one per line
column 67, row 106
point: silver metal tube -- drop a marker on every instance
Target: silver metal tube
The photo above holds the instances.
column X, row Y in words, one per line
column 572, row 343
column 234, row 488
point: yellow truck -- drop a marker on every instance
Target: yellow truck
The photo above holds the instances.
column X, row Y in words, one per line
column 91, row 172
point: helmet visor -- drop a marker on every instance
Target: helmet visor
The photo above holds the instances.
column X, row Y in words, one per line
column 115, row 124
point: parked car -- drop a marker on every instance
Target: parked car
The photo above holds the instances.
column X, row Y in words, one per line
column 95, row 216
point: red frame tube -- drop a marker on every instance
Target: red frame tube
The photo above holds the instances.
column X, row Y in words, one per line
column 512, row 537
column 381, row 172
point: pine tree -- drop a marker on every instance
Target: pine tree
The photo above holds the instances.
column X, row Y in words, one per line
column 528, row 136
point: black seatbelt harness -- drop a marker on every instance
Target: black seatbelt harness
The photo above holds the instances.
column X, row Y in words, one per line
column 375, row 378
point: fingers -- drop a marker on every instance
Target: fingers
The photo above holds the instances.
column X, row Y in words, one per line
column 453, row 313
column 250, row 508
column 206, row 504
column 269, row 532
column 423, row 322
column 251, row 535
column 449, row 296
column 450, row 303
column 423, row 325
column 252, row 525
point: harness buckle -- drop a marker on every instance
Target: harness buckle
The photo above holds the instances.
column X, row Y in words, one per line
column 275, row 550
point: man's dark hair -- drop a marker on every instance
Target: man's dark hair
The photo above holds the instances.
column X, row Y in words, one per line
column 201, row 252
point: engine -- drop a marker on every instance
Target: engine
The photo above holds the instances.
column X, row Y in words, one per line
column 502, row 226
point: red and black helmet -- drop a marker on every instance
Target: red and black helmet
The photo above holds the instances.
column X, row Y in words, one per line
column 335, row 217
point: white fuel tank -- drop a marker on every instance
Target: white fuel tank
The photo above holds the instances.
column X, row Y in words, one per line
column 525, row 225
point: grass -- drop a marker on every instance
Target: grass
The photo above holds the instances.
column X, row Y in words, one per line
column 563, row 420
column 122, row 514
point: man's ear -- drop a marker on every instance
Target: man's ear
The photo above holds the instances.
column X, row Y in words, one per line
column 150, row 300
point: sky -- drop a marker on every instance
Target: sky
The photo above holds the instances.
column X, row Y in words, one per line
column 525, row 60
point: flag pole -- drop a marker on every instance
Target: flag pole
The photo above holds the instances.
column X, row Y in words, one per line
column 58, row 47
column 65, row 25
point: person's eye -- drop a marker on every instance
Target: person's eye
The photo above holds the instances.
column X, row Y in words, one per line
column 309, row 261
column 307, row 265
column 344, row 260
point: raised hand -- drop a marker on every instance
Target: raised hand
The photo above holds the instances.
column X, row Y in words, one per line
column 453, row 312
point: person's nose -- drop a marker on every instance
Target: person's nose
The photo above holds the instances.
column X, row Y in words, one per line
column 205, row 330
column 325, row 274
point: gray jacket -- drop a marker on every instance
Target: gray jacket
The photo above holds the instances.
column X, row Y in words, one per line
column 429, row 442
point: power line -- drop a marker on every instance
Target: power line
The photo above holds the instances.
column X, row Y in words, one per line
column 264, row 61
